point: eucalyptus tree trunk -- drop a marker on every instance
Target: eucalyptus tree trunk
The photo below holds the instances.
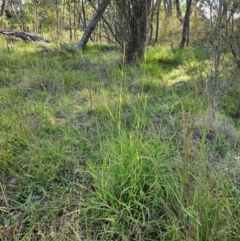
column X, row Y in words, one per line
column 3, row 8
column 22, row 16
column 168, row 7
column 74, row 20
column 70, row 20
column 154, row 18
column 84, row 21
column 157, row 21
column 151, row 26
column 133, row 24
column 57, row 16
column 178, row 9
column 35, row 18
column 186, row 28
column 91, row 26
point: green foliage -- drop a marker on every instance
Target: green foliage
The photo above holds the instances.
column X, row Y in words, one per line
column 127, row 190
column 165, row 56
column 3, row 23
column 230, row 103
column 166, row 63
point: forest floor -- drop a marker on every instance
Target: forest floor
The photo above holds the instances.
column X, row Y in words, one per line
column 92, row 149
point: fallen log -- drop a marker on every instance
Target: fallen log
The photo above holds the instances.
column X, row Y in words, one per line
column 25, row 36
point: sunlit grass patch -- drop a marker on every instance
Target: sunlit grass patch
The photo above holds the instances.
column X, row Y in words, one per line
column 165, row 55
column 166, row 64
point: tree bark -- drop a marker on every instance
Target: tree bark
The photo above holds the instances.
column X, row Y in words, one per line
column 57, row 16
column 168, row 8
column 3, row 8
column 25, row 36
column 157, row 21
column 179, row 13
column 84, row 22
column 70, row 20
column 91, row 26
column 135, row 15
column 185, row 31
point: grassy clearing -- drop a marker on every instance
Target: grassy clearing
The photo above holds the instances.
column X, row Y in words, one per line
column 91, row 149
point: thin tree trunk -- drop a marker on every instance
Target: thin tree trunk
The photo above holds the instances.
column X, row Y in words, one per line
column 185, row 31
column 57, row 15
column 151, row 24
column 225, row 17
column 84, row 16
column 157, row 21
column 23, row 17
column 168, row 8
column 70, row 20
column 74, row 21
column 91, row 26
column 3, row 8
column 188, row 34
column 179, row 13
column 14, row 11
column 35, row 19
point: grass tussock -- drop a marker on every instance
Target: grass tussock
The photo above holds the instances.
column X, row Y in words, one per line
column 91, row 149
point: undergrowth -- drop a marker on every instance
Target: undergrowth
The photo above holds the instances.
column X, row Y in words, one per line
column 91, row 149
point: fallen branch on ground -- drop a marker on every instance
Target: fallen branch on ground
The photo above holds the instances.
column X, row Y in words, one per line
column 25, row 36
